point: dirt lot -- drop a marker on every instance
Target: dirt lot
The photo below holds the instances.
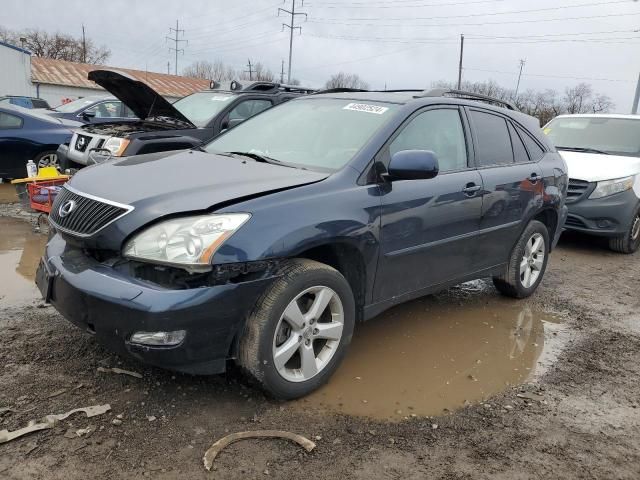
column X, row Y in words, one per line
column 432, row 389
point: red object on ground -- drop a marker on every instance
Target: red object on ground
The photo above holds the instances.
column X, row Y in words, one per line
column 42, row 193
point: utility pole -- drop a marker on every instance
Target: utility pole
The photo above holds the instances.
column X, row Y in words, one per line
column 177, row 43
column 282, row 73
column 522, row 62
column 250, row 71
column 84, row 46
column 291, row 26
column 168, row 71
column 460, row 64
column 634, row 110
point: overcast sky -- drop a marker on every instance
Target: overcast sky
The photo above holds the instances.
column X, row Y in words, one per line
column 400, row 43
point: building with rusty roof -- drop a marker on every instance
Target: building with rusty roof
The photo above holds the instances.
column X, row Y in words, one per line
column 59, row 81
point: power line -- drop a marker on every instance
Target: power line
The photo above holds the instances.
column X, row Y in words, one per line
column 177, row 41
column 397, row 3
column 291, row 26
column 566, row 77
column 481, row 24
column 470, row 15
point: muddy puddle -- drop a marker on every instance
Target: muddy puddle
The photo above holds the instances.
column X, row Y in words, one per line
column 437, row 354
column 20, row 252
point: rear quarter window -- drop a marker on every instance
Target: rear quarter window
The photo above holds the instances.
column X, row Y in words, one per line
column 536, row 152
column 8, row 121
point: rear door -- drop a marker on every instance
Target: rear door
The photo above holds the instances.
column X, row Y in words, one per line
column 428, row 226
column 14, row 147
column 512, row 184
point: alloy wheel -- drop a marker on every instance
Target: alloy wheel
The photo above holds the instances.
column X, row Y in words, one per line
column 308, row 334
column 48, row 160
column 532, row 260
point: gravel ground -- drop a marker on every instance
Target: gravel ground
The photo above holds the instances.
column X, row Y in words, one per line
column 579, row 418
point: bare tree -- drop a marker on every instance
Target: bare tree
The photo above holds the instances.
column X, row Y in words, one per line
column 259, row 73
column 204, row 69
column 57, row 46
column 346, row 80
column 602, row 104
column 577, row 99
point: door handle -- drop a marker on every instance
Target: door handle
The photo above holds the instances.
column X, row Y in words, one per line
column 471, row 189
column 533, row 178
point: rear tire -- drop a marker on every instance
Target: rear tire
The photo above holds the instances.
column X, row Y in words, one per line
column 630, row 241
column 527, row 263
column 47, row 159
column 299, row 329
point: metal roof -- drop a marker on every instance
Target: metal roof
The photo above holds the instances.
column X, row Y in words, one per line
column 61, row 72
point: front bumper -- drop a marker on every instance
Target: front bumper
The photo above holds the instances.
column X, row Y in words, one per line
column 111, row 306
column 609, row 216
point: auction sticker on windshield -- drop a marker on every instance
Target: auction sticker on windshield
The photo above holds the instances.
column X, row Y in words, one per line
column 220, row 98
column 364, row 107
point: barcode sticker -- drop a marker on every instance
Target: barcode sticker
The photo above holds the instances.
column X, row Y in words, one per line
column 364, row 107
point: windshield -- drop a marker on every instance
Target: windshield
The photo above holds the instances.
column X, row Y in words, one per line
column 201, row 107
column 317, row 133
column 615, row 136
column 75, row 105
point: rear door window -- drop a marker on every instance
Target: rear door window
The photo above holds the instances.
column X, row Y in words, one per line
column 493, row 143
column 9, row 121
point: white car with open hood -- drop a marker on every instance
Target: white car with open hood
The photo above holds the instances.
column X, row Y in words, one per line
column 602, row 153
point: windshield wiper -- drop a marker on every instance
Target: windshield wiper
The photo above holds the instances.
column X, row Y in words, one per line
column 580, row 149
column 261, row 158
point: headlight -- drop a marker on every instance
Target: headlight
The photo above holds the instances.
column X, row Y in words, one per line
column 187, row 241
column 116, row 145
column 610, row 187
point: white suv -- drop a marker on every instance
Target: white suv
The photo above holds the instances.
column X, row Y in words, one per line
column 602, row 152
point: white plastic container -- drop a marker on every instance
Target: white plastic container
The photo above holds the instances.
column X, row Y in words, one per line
column 32, row 169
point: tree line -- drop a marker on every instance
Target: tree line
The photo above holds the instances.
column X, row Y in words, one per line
column 59, row 46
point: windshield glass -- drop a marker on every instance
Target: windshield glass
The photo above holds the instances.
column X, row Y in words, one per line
column 316, row 133
column 201, row 107
column 616, row 136
column 75, row 105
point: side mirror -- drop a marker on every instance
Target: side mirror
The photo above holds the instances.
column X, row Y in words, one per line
column 88, row 115
column 227, row 124
column 413, row 165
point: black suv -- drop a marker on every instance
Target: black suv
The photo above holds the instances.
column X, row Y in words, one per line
column 269, row 244
column 184, row 124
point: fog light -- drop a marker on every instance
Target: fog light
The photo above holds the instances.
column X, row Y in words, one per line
column 163, row 339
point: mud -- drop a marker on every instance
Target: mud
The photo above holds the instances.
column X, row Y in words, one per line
column 574, row 415
column 437, row 354
column 20, row 252
column 8, row 193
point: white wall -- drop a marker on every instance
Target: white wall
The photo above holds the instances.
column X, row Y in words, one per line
column 15, row 72
column 55, row 94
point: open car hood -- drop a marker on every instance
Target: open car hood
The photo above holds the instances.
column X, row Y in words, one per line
column 143, row 100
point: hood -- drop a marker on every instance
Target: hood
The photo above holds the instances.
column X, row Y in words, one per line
column 165, row 183
column 143, row 100
column 595, row 167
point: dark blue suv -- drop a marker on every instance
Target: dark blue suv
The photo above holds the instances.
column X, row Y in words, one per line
column 269, row 244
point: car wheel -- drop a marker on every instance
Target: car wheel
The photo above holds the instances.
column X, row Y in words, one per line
column 527, row 263
column 47, row 159
column 630, row 241
column 299, row 329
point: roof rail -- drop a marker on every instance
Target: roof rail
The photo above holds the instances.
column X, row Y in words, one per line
column 341, row 90
column 447, row 92
column 234, row 85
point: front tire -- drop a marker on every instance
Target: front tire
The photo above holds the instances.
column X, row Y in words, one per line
column 527, row 263
column 299, row 330
column 630, row 241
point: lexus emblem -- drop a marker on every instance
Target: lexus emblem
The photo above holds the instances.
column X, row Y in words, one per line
column 66, row 208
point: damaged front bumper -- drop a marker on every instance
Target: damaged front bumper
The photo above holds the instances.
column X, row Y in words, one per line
column 113, row 306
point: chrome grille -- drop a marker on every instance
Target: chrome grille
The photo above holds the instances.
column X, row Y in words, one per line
column 89, row 214
column 577, row 188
